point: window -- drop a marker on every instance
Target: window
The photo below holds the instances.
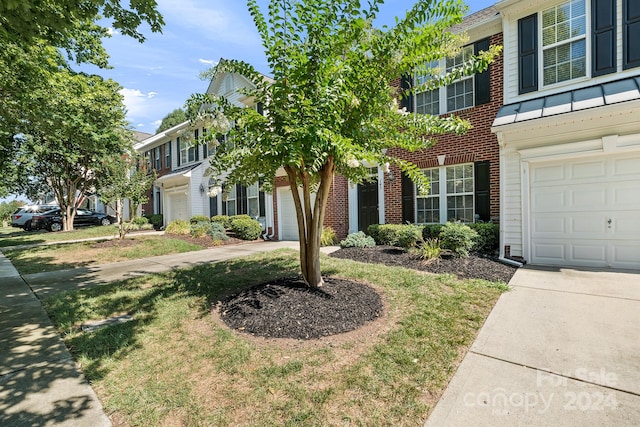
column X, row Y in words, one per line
column 463, row 93
column 230, row 202
column 428, row 206
column 451, row 195
column 564, row 44
column 158, row 162
column 167, row 155
column 460, row 93
column 184, row 152
column 253, row 202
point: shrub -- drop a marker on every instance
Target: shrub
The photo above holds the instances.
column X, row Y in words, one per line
column 408, row 236
column 430, row 250
column 156, row 219
column 358, row 240
column 328, row 237
column 199, row 218
column 431, row 231
column 200, row 228
column 488, row 237
column 225, row 220
column 458, row 238
column 245, row 227
column 217, row 232
column 140, row 221
column 179, row 226
column 404, row 235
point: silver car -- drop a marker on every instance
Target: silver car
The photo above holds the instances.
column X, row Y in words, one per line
column 21, row 218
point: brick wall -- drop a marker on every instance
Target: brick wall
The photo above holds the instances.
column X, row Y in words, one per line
column 478, row 144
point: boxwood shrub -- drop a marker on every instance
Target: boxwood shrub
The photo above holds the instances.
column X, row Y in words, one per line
column 179, row 226
column 358, row 240
column 245, row 227
column 225, row 220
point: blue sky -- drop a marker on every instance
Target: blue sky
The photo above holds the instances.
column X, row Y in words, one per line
column 160, row 74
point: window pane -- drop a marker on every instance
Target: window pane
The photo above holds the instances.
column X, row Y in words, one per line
column 252, row 190
column 548, row 18
column 231, row 207
column 253, row 207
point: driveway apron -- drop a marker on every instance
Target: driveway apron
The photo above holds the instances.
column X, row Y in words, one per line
column 560, row 348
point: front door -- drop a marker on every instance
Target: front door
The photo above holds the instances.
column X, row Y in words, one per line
column 367, row 204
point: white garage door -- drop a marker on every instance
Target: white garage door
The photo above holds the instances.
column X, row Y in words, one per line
column 586, row 212
column 178, row 207
column 287, row 223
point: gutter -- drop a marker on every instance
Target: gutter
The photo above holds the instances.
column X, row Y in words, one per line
column 511, row 262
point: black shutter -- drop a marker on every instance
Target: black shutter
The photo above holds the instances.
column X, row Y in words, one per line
column 241, row 199
column 603, row 21
column 408, row 200
column 261, row 203
column 528, row 54
column 482, row 84
column 482, row 186
column 406, row 100
column 630, row 33
column 178, row 150
column 260, row 108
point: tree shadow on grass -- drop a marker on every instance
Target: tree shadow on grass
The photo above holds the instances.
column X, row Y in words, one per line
column 140, row 297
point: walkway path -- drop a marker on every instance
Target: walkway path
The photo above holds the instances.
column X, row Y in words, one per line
column 40, row 383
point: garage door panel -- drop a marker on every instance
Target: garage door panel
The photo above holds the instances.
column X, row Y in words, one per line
column 552, row 200
column 548, row 174
column 571, row 203
column 587, row 170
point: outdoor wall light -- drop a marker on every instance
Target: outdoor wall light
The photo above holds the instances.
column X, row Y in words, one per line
column 202, row 190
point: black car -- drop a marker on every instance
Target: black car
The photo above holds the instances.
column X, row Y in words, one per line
column 52, row 220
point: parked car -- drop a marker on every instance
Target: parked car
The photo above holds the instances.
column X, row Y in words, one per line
column 52, row 220
column 22, row 217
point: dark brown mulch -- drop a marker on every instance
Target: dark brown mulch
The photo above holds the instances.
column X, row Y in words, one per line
column 288, row 308
column 473, row 267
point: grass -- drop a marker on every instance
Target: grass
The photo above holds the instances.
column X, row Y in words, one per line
column 175, row 364
column 17, row 236
column 73, row 255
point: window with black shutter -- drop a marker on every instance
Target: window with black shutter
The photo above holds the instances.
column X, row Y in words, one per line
column 408, row 200
column 406, row 99
column 527, row 54
column 482, row 187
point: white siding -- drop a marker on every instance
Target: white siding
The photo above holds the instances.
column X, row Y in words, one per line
column 511, row 217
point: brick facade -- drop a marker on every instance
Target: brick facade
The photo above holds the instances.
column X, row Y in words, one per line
column 478, row 144
column 147, row 208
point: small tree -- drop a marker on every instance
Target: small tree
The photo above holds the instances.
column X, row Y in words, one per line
column 125, row 177
column 330, row 107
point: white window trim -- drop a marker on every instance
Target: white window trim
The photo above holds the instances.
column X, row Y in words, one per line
column 541, row 49
column 443, row 195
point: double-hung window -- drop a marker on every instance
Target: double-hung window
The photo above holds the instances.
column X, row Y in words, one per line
column 460, row 93
column 184, row 152
column 230, row 201
column 167, row 155
column 564, row 42
column 450, row 197
column 158, row 159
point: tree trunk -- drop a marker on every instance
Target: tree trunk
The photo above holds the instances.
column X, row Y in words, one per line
column 310, row 217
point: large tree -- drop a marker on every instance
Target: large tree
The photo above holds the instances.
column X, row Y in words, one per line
column 172, row 119
column 33, row 33
column 331, row 107
column 64, row 149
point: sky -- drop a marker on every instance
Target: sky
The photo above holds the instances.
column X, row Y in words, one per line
column 160, row 74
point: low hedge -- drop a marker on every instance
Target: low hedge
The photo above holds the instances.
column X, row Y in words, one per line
column 403, row 235
column 225, row 220
column 245, row 227
column 179, row 226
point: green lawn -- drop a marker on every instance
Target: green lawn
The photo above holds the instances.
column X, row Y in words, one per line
column 72, row 255
column 10, row 236
column 176, row 364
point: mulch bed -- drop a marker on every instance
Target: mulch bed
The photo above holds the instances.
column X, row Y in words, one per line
column 288, row 308
column 473, row 267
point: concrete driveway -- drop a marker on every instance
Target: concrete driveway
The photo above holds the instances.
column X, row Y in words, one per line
column 561, row 348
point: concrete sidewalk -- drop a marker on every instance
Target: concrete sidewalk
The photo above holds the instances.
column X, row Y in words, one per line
column 561, row 348
column 40, row 383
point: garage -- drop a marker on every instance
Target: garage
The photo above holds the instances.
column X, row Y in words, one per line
column 586, row 211
column 287, row 223
column 178, row 206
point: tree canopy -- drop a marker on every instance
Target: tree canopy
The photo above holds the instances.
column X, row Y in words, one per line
column 172, row 119
column 330, row 107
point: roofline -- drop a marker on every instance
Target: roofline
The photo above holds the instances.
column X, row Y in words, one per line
column 160, row 135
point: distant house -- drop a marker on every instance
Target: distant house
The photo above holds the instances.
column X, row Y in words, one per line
column 569, row 132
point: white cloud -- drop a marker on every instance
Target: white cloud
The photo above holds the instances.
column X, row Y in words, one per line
column 112, row 31
column 156, row 123
column 135, row 100
column 208, row 62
